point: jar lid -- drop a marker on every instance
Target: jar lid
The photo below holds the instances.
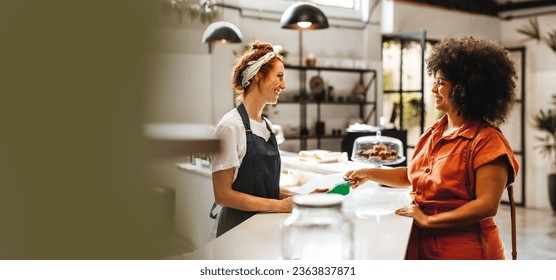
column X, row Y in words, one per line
column 318, row 200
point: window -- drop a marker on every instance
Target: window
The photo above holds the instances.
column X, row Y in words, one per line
column 407, row 104
column 348, row 4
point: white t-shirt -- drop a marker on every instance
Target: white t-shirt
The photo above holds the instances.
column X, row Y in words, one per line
column 233, row 141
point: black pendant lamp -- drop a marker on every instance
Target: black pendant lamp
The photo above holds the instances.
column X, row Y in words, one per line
column 222, row 32
column 303, row 16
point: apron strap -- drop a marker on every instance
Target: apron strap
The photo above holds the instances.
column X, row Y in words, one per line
column 212, row 214
column 244, row 117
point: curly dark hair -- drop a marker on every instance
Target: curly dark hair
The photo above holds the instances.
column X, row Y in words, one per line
column 256, row 50
column 482, row 75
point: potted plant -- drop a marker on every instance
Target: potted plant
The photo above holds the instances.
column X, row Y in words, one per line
column 545, row 121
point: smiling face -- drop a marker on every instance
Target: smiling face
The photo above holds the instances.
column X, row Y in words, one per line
column 442, row 89
column 274, row 83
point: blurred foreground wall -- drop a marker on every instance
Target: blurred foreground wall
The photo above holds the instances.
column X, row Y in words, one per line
column 71, row 92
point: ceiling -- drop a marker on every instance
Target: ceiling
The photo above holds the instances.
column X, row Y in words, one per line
column 505, row 9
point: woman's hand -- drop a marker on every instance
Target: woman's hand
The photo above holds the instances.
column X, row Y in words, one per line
column 413, row 211
column 320, row 190
column 356, row 177
column 393, row 177
column 225, row 195
column 285, row 205
column 490, row 178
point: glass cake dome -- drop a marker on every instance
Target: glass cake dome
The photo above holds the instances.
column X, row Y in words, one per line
column 379, row 150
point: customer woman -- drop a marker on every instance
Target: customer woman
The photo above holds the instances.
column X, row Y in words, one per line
column 453, row 209
column 246, row 172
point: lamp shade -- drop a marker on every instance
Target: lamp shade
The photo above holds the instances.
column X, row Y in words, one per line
column 222, row 32
column 303, row 15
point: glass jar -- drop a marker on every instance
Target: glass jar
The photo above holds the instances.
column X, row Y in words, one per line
column 317, row 229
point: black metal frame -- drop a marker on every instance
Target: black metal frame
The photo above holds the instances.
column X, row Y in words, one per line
column 521, row 101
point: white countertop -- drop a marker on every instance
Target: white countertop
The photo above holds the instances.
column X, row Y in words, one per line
column 289, row 161
column 292, row 161
column 379, row 234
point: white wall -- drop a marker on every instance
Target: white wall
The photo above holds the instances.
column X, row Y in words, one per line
column 174, row 96
column 188, row 84
column 540, row 84
column 441, row 23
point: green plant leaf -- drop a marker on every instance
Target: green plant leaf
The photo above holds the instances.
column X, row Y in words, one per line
column 545, row 121
column 532, row 30
column 550, row 40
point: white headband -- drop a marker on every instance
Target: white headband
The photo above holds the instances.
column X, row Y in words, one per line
column 253, row 68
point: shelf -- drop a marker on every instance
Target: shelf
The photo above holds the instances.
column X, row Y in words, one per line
column 291, row 137
column 327, row 102
column 303, row 99
column 404, row 91
column 323, row 68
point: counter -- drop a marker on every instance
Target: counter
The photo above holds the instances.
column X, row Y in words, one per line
column 292, row 161
column 194, row 198
column 378, row 232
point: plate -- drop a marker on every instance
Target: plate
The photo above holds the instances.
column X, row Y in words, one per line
column 383, row 162
column 316, row 84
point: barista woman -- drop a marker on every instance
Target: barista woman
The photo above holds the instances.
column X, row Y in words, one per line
column 462, row 163
column 246, row 172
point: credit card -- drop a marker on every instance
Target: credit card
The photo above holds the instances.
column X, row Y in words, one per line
column 341, row 188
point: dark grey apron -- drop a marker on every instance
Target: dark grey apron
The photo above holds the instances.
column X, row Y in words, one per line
column 258, row 174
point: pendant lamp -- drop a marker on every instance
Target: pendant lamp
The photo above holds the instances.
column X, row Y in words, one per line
column 303, row 16
column 222, row 32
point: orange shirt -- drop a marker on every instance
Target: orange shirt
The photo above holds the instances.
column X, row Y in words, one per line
column 437, row 175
